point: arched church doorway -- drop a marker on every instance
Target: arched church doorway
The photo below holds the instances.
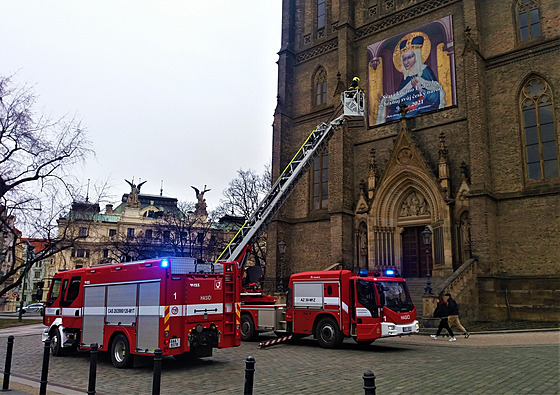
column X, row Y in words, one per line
column 415, row 260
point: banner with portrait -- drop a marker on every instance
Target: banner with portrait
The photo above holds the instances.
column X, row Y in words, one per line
column 414, row 71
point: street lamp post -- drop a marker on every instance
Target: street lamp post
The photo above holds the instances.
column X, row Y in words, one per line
column 281, row 251
column 427, row 240
column 30, row 252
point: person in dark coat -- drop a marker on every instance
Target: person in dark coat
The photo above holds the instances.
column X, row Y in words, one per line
column 454, row 314
column 442, row 312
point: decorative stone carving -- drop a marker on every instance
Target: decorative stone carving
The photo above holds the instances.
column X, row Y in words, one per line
column 404, row 156
column 414, row 205
column 132, row 199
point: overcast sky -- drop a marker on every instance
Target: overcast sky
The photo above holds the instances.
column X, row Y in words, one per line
column 182, row 91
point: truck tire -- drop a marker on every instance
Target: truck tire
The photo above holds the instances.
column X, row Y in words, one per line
column 328, row 334
column 56, row 343
column 120, row 352
column 247, row 328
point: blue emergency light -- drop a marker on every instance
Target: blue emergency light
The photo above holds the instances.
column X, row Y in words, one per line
column 164, row 263
column 363, row 273
column 389, row 272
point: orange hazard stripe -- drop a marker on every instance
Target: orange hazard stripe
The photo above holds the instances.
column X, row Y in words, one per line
column 166, row 318
column 238, row 313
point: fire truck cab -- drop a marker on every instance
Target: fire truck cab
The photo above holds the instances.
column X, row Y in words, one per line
column 134, row 308
column 332, row 305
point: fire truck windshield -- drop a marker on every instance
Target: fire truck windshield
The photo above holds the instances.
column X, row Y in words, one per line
column 394, row 295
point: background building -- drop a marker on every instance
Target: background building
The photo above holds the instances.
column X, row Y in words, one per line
column 11, row 253
column 33, row 283
column 476, row 158
column 142, row 226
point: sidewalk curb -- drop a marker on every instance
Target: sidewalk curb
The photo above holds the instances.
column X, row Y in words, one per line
column 427, row 332
column 20, row 384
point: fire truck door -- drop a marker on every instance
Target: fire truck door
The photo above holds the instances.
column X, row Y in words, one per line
column 94, row 315
column 366, row 306
column 148, row 316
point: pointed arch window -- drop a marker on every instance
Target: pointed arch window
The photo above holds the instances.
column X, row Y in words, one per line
column 539, row 130
column 320, row 182
column 528, row 19
column 320, row 87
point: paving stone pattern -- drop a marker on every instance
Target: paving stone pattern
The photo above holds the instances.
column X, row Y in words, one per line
column 414, row 365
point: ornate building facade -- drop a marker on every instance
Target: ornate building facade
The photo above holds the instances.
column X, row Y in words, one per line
column 475, row 159
column 142, row 226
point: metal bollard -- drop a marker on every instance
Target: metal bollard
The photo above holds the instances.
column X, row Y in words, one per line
column 92, row 369
column 8, row 365
column 249, row 375
column 157, row 371
column 369, row 383
column 45, row 371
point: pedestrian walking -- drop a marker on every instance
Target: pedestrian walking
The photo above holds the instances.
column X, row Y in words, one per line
column 454, row 314
column 442, row 312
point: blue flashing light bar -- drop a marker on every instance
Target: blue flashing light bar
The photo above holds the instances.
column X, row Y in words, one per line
column 164, row 263
column 389, row 272
column 363, row 273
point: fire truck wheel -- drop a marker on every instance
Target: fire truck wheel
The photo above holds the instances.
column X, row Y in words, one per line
column 120, row 352
column 327, row 333
column 247, row 328
column 56, row 343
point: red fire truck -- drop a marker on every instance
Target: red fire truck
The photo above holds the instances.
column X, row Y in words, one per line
column 174, row 304
column 331, row 305
column 134, row 308
column 327, row 304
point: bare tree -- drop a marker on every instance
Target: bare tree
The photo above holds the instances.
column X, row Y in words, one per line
column 244, row 192
column 242, row 197
column 36, row 157
column 176, row 229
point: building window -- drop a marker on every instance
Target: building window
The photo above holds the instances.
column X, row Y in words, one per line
column 320, row 182
column 73, row 253
column 320, row 87
column 83, row 232
column 105, row 253
column 321, row 14
column 539, row 136
column 166, row 235
column 112, row 232
column 527, row 12
column 130, row 232
column 148, row 234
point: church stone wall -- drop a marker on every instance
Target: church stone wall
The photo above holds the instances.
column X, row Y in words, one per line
column 515, row 224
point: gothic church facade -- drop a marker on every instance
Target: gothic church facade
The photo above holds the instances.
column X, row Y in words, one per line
column 475, row 159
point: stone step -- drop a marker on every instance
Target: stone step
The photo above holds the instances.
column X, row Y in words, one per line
column 416, row 287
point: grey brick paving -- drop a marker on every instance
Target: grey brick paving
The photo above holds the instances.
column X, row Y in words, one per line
column 415, row 365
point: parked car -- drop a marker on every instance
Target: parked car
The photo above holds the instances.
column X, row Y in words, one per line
column 35, row 307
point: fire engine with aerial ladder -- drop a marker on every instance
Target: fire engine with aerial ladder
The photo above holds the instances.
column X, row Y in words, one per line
column 333, row 304
column 187, row 308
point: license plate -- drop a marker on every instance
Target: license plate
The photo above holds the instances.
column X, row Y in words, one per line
column 175, row 342
column 407, row 329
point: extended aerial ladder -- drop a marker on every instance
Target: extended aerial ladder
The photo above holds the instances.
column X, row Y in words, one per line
column 353, row 103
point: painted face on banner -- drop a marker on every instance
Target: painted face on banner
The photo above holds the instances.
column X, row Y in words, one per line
column 408, row 59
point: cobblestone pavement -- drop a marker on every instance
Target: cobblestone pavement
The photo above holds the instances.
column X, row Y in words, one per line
column 503, row 363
